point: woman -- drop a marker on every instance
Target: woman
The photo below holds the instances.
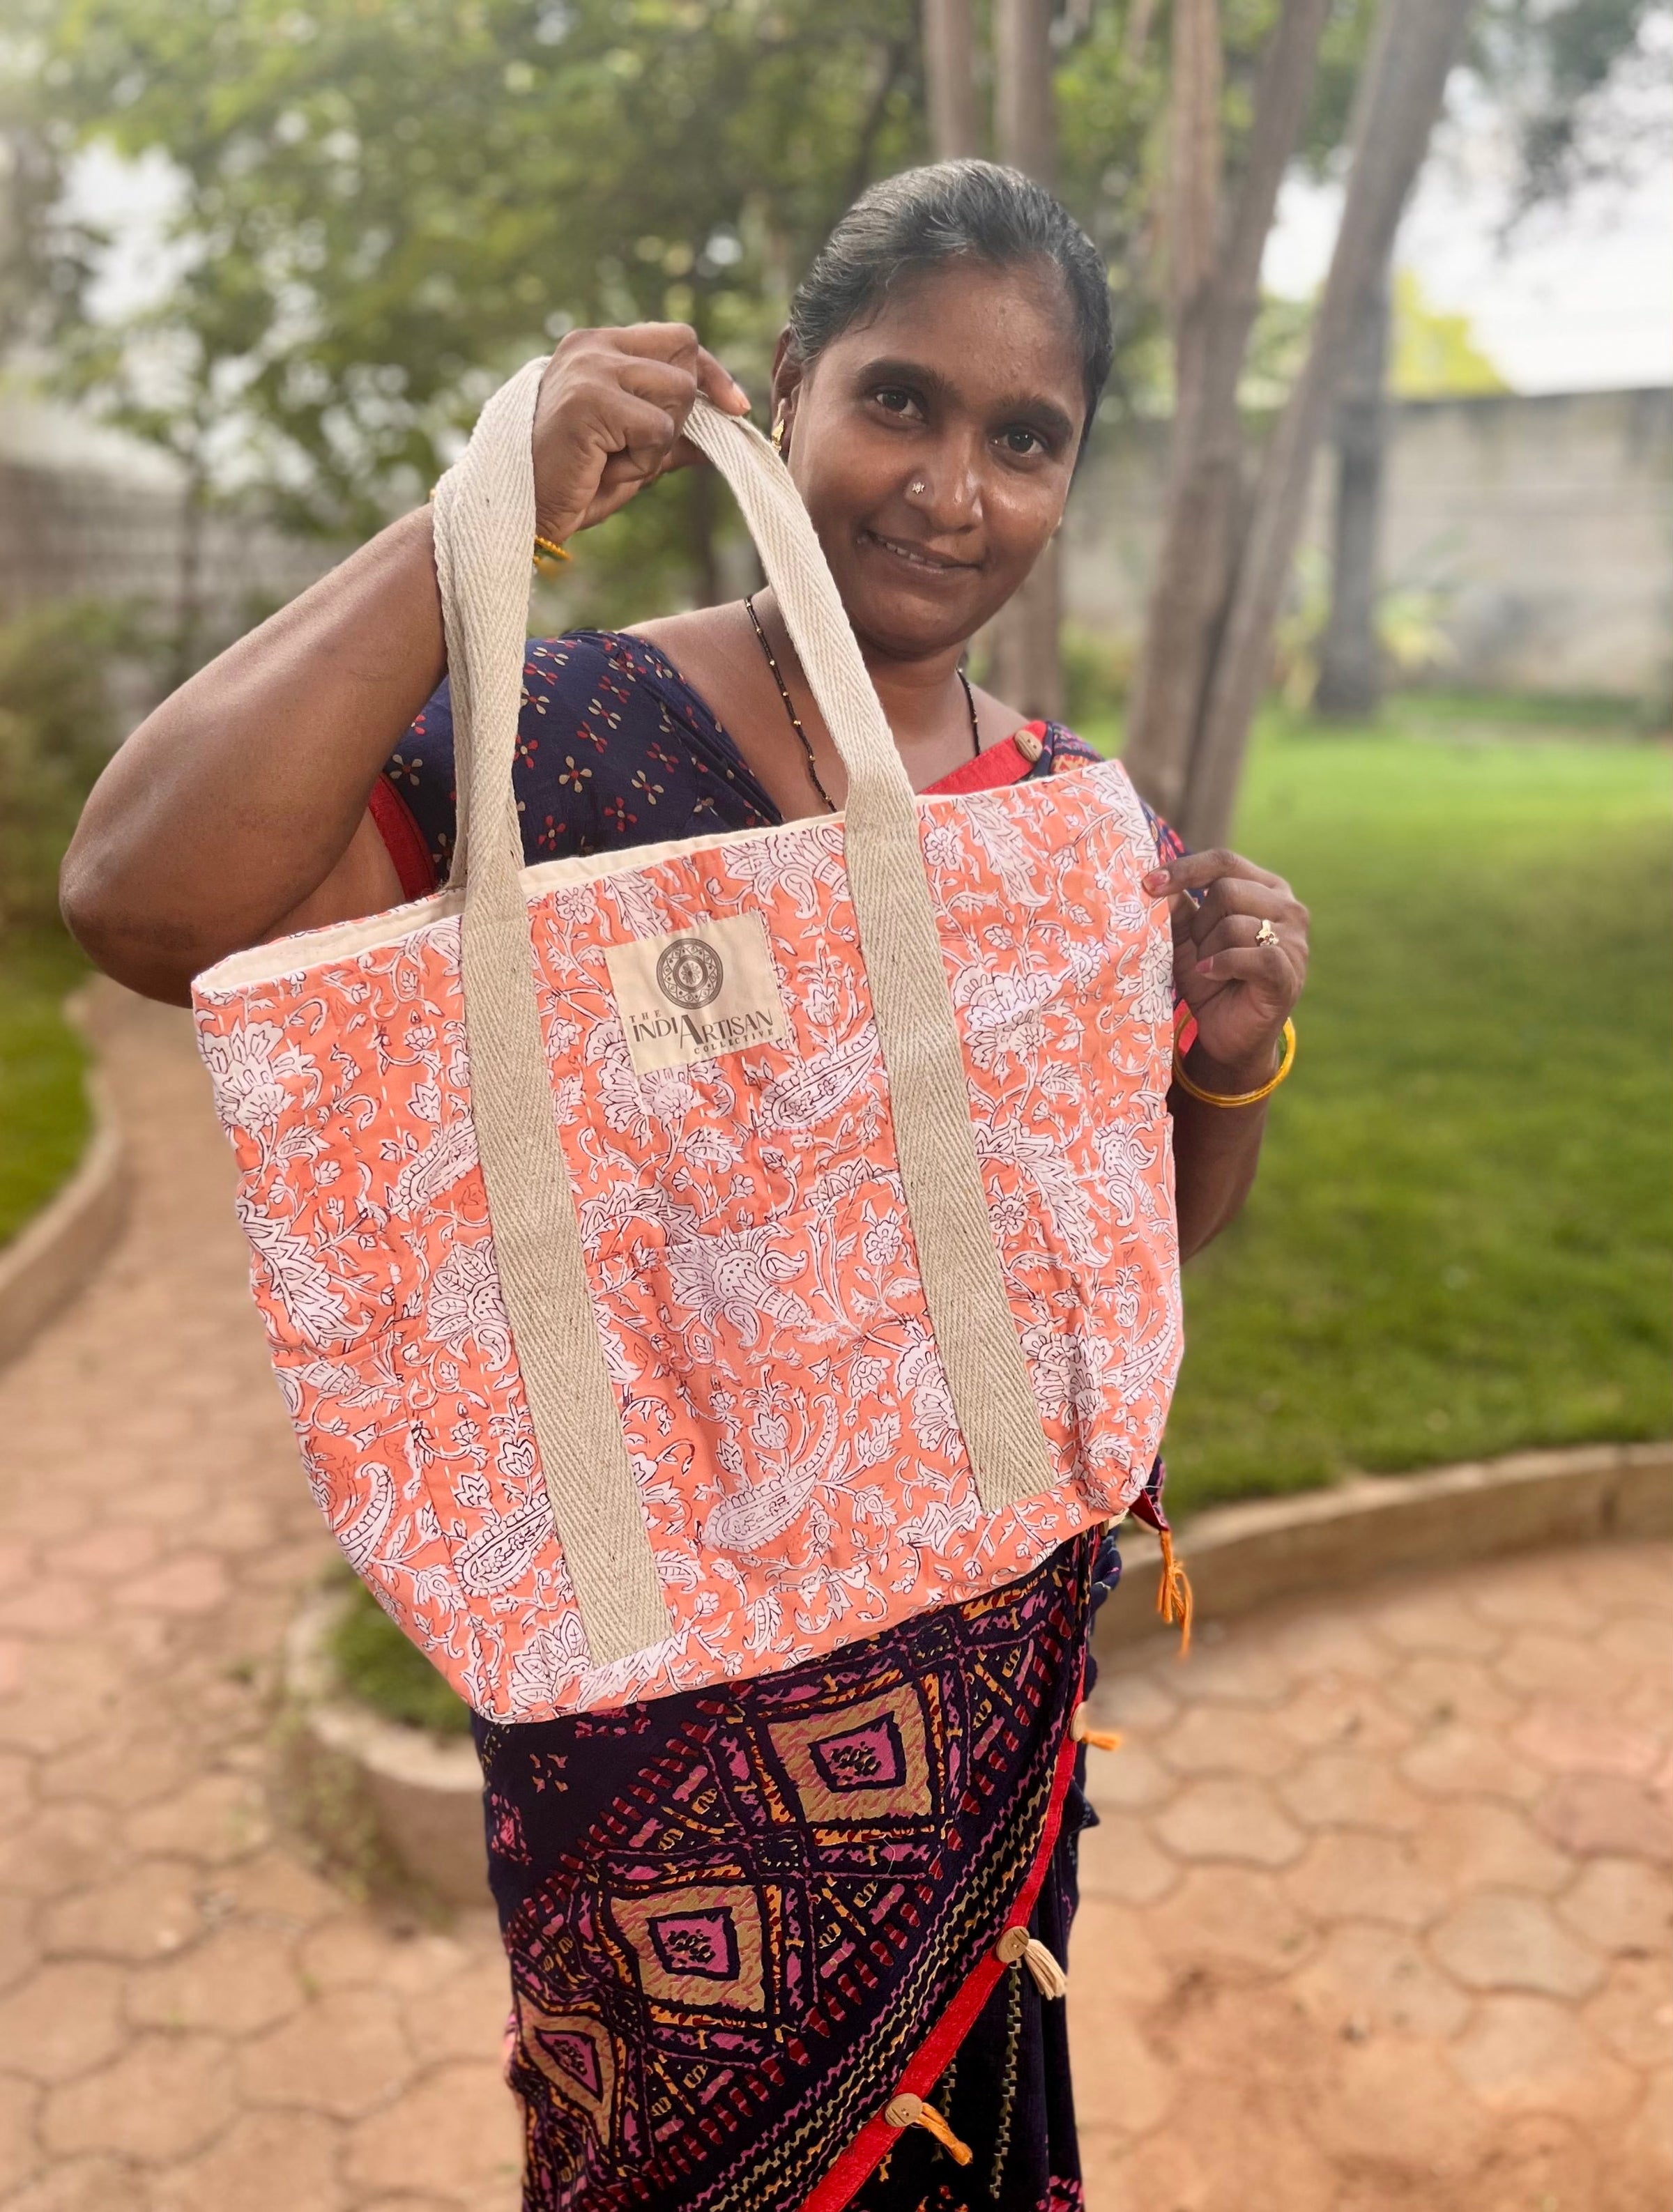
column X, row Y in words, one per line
column 930, row 396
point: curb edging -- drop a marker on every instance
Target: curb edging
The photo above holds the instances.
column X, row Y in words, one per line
column 423, row 1794
column 53, row 1256
column 1241, row 1556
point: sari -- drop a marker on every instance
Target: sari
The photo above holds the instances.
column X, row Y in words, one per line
column 783, row 1945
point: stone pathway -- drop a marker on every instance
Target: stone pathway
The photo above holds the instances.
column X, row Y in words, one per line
column 1380, row 1915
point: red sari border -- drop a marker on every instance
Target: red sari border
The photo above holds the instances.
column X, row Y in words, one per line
column 929, row 2062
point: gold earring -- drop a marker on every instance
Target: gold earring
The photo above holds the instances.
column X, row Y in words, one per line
column 780, row 428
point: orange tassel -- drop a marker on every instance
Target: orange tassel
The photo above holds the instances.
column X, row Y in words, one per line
column 908, row 2112
column 1173, row 1592
column 1100, row 1739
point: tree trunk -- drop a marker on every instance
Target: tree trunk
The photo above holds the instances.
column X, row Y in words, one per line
column 1400, row 98
column 1350, row 670
column 1027, row 668
column 1215, row 268
column 949, row 67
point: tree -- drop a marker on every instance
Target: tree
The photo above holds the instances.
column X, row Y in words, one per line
column 949, row 63
column 1225, row 565
column 387, row 203
column 1027, row 667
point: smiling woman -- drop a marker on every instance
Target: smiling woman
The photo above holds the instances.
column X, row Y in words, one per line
column 792, row 1940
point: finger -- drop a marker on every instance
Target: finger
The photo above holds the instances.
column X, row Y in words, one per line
column 1237, row 894
column 1262, row 965
column 1233, row 932
column 638, row 430
column 1197, row 871
column 660, row 341
column 722, row 388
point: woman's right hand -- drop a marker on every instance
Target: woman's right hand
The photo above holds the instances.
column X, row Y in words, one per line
column 613, row 407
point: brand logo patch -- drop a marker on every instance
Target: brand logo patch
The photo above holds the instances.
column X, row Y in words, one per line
column 690, row 973
column 697, row 993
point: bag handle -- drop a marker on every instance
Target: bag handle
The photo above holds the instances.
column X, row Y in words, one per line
column 484, row 526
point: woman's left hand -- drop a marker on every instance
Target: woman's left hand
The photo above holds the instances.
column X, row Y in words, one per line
column 1239, row 961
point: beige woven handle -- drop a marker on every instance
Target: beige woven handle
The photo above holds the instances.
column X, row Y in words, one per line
column 484, row 526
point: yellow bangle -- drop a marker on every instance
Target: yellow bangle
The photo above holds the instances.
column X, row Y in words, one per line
column 545, row 550
column 1245, row 1097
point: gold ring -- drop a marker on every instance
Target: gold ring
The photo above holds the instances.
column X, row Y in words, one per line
column 1266, row 935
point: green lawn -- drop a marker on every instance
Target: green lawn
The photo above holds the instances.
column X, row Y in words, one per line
column 43, row 1110
column 1460, row 1241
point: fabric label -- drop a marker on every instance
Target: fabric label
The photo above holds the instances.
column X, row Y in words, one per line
column 697, row 993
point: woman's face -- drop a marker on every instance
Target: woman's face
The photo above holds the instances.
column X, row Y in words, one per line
column 933, row 445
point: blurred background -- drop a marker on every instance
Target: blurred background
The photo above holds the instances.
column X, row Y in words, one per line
column 1369, row 567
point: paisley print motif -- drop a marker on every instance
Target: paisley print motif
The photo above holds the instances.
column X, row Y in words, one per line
column 753, row 1276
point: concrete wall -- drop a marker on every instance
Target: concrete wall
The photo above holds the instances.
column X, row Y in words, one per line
column 1544, row 524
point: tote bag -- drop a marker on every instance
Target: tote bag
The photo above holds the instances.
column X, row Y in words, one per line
column 682, row 1262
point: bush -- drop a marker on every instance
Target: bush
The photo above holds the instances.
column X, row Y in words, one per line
column 57, row 730
column 379, row 1667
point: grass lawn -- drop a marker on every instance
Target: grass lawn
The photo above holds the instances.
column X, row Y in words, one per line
column 1460, row 1241
column 43, row 1112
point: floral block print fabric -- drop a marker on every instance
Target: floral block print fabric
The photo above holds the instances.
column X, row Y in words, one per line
column 739, row 1922
column 753, row 1272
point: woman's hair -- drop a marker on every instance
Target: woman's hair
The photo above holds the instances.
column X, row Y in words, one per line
column 949, row 211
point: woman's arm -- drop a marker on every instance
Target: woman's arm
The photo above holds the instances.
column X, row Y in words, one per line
column 1240, row 990
column 237, row 810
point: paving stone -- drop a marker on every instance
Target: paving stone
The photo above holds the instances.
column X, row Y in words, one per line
column 1454, row 1760
column 1536, row 1592
column 1503, row 1939
column 1234, row 1820
column 1114, row 1962
column 165, row 2098
column 1233, row 1921
column 1580, row 1739
column 344, row 2055
column 1431, row 1692
column 1531, row 2053
column 51, row 1607
column 219, row 1818
column 145, row 1914
column 1238, row 1669
column 1475, row 1843
column 1354, row 1875
column 265, row 2163
column 1351, row 1789
column 1362, row 1978
column 1633, row 2012
column 56, row 1848
column 354, row 1951
column 1218, row 1739
column 1130, row 1778
column 1120, row 1858
column 1645, row 1645
column 1342, row 1716
column 1425, row 1618
column 1133, row 2090
column 1540, row 1661
column 63, row 2020
column 1391, row 2098
column 455, row 2132
column 1327, row 1641
column 1601, row 1813
column 20, row 1939
column 239, row 1980
column 1139, row 1698
column 84, row 2185
column 1622, row 1905
column 196, row 1582
column 19, row 2155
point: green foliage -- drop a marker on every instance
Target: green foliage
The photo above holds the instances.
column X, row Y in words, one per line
column 1432, row 354
column 1459, row 1242
column 43, row 1106
column 55, row 734
column 383, row 1669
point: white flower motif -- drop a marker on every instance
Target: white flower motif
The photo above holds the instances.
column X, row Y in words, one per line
column 465, row 1304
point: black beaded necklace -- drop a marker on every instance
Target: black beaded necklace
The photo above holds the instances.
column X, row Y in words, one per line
column 795, row 718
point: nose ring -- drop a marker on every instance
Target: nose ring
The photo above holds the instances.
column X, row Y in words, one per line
column 918, row 487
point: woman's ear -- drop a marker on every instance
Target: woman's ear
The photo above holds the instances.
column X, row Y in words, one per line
column 788, row 374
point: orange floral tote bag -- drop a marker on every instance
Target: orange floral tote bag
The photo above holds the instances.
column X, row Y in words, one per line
column 681, row 1261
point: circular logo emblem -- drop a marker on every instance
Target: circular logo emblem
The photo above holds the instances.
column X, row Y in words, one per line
column 690, row 972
